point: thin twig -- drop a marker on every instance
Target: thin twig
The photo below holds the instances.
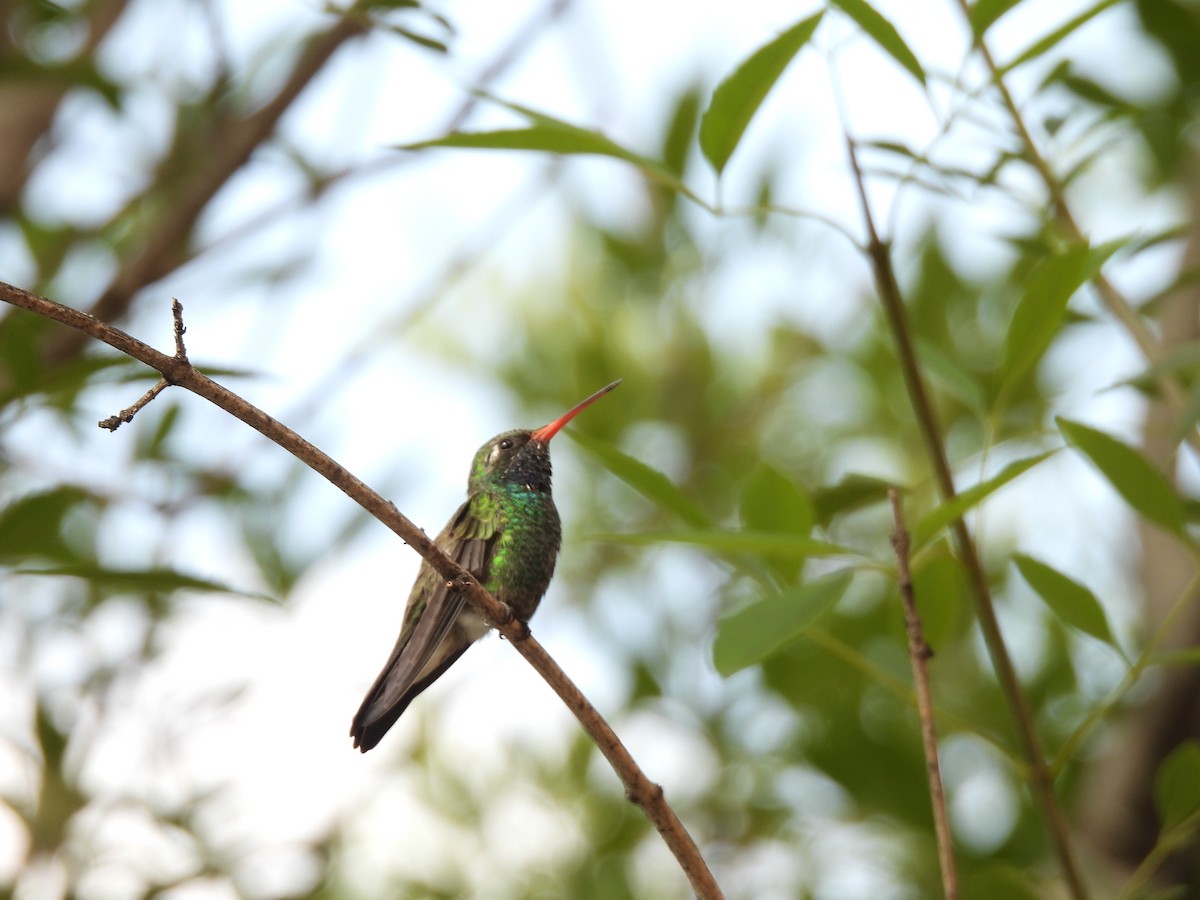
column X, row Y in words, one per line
column 638, row 788
column 1041, row 782
column 919, row 655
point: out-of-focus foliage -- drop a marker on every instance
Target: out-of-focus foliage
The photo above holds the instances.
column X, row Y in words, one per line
column 737, row 573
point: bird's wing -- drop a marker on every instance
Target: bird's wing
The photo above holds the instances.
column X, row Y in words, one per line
column 422, row 652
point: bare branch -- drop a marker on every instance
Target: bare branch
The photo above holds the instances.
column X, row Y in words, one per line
column 177, row 371
column 919, row 655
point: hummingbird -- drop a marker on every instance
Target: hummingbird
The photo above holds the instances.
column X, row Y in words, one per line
column 507, row 534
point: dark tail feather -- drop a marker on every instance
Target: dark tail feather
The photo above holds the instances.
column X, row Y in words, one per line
column 369, row 727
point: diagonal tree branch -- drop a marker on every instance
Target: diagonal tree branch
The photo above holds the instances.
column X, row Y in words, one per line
column 176, row 370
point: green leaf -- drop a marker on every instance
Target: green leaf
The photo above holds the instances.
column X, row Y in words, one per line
column 769, row 624
column 1043, row 304
column 772, row 502
column 1187, row 656
column 1067, row 598
column 1049, row 41
column 852, row 492
column 942, row 515
column 759, row 543
column 985, row 13
column 883, row 33
column 127, row 581
column 33, row 525
column 1177, row 785
column 1142, row 486
column 547, row 134
column 738, row 97
column 649, row 482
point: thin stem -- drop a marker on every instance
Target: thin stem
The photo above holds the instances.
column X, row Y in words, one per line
column 1041, row 783
column 919, row 655
column 178, row 371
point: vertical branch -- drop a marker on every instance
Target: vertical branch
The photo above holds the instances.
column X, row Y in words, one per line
column 1041, row 782
column 919, row 654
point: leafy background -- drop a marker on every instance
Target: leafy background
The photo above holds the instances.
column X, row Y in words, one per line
column 188, row 619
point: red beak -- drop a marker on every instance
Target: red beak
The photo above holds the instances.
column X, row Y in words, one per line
column 546, row 432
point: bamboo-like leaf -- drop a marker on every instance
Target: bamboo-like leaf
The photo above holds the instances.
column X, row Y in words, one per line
column 738, row 97
column 768, row 625
column 1142, row 486
column 1177, row 785
column 1043, row 304
column 154, row 580
column 760, row 543
column 1067, row 598
column 646, row 480
column 852, row 492
column 1051, row 40
column 985, row 13
column 942, row 515
column 547, row 134
column 883, row 33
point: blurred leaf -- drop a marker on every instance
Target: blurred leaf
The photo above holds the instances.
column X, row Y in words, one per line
column 852, row 492
column 150, row 443
column 1182, row 359
column 985, row 13
column 1052, row 39
column 547, row 134
column 942, row 515
column 738, row 97
column 1177, row 785
column 768, row 625
column 1067, row 598
column 158, row 580
column 649, row 482
column 1143, row 486
column 883, row 33
column 32, row 526
column 758, row 543
column 1043, row 303
column 770, row 501
column 58, row 798
column 940, row 587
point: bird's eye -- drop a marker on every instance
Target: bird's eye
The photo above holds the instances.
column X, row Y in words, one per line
column 506, row 444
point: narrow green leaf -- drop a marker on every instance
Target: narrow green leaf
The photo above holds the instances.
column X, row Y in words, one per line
column 852, row 492
column 760, row 543
column 1142, row 486
column 1051, row 40
column 1043, row 305
column 941, row 516
column 738, row 97
column 766, row 626
column 1177, row 784
column 547, row 134
column 155, row 580
column 883, row 33
column 647, row 481
column 771, row 501
column 985, row 13
column 32, row 526
column 1067, row 598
